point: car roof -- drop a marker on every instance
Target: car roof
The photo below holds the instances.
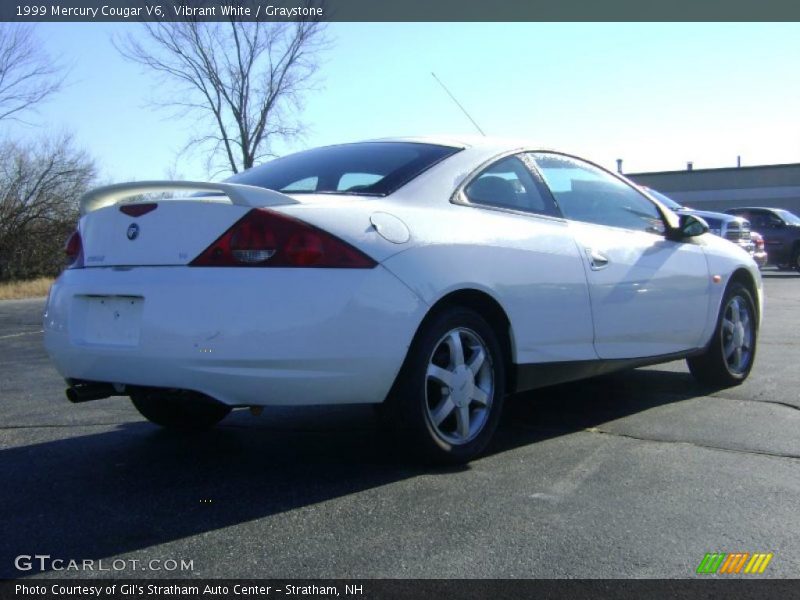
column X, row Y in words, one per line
column 465, row 141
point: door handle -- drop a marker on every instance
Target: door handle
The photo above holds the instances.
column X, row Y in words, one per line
column 597, row 260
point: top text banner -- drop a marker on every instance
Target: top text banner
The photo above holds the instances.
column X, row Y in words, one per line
column 399, row 10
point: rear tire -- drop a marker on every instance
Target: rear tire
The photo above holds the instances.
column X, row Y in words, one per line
column 446, row 403
column 796, row 259
column 179, row 410
column 728, row 358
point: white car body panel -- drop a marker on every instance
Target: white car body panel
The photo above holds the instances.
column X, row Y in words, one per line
column 351, row 220
column 173, row 234
column 651, row 298
column 725, row 258
column 272, row 336
column 533, row 270
column 267, row 337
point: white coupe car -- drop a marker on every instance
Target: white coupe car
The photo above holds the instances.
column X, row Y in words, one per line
column 428, row 275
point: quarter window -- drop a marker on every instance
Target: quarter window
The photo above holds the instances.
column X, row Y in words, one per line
column 509, row 184
column 587, row 193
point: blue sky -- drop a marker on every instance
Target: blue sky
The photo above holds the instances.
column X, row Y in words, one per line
column 656, row 95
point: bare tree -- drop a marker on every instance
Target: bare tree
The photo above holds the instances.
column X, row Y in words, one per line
column 40, row 185
column 27, row 75
column 247, row 79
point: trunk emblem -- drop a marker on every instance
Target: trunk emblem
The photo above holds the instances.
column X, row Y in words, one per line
column 133, row 231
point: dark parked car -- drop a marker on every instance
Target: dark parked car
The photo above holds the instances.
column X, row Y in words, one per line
column 781, row 231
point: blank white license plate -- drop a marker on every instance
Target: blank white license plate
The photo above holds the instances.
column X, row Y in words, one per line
column 108, row 320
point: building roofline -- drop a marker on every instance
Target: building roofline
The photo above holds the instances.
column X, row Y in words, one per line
column 716, row 170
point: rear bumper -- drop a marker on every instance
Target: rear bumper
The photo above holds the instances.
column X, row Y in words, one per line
column 242, row 336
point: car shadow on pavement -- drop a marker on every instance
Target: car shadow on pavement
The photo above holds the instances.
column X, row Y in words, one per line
column 99, row 495
column 578, row 406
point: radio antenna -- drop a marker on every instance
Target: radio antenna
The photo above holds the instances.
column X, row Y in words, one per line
column 464, row 110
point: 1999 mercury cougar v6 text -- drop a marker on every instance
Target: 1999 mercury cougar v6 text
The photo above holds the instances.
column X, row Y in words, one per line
column 427, row 275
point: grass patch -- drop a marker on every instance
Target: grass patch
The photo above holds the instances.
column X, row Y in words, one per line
column 33, row 288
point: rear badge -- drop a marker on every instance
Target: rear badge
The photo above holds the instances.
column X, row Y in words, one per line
column 133, row 231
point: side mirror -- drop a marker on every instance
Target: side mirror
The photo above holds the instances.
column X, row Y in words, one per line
column 688, row 226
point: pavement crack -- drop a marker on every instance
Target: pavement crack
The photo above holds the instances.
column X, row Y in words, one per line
column 13, row 335
column 778, row 402
column 695, row 444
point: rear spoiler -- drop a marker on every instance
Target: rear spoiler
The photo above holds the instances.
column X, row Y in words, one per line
column 241, row 195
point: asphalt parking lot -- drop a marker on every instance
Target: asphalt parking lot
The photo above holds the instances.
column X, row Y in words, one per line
column 638, row 474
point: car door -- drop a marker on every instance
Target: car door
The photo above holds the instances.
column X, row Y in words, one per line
column 649, row 295
column 535, row 265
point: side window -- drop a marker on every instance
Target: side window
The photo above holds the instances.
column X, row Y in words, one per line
column 586, row 193
column 774, row 220
column 509, row 184
column 758, row 219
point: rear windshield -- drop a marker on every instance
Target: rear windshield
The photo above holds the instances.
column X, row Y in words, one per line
column 364, row 169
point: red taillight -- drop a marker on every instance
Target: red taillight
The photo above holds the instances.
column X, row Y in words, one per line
column 137, row 210
column 263, row 238
column 251, row 243
column 305, row 248
column 760, row 243
column 74, row 250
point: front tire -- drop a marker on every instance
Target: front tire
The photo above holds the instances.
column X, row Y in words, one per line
column 447, row 400
column 179, row 410
column 729, row 357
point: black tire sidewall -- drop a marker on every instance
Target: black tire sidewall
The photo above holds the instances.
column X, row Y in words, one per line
column 409, row 396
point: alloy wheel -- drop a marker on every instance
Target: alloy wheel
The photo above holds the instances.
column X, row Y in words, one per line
column 737, row 335
column 459, row 387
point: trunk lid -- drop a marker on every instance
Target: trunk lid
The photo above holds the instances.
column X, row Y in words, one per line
column 178, row 230
column 174, row 233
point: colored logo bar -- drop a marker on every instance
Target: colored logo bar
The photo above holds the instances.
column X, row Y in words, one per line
column 733, row 563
